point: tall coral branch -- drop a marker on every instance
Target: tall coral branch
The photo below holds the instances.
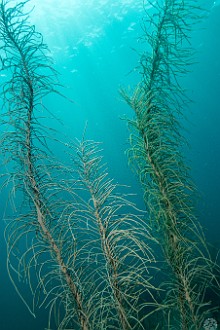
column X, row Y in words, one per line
column 156, row 144
column 25, row 56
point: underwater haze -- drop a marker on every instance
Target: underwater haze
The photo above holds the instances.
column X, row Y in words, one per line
column 95, row 46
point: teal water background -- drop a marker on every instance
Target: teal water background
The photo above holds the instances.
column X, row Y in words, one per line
column 95, row 48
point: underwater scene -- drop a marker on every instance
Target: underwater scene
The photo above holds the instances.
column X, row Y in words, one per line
column 109, row 147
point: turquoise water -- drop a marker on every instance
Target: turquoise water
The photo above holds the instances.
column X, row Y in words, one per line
column 95, row 49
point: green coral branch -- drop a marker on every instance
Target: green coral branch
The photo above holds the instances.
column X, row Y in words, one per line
column 155, row 154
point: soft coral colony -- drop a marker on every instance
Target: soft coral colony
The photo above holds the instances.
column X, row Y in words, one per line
column 84, row 249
